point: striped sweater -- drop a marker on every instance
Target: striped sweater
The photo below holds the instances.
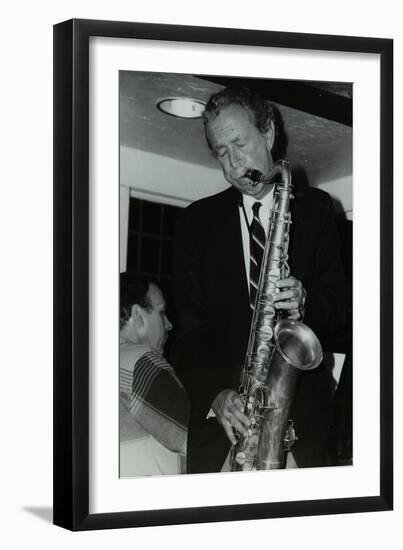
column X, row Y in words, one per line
column 154, row 397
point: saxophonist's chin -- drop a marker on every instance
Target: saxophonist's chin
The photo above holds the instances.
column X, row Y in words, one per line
column 256, row 190
column 247, row 186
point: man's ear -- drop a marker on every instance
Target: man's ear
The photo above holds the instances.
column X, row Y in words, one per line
column 270, row 134
column 137, row 315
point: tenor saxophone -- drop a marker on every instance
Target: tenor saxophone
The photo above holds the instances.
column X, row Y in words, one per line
column 278, row 348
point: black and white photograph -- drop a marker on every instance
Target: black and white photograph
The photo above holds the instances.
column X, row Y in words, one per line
column 236, row 272
column 201, row 265
column 215, row 290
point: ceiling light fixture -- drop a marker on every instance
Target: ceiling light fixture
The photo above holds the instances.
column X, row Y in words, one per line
column 182, row 107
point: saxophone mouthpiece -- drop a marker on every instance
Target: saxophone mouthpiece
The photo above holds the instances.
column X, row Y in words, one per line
column 279, row 172
column 254, row 175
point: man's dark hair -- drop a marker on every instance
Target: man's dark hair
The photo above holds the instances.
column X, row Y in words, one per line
column 133, row 290
column 261, row 111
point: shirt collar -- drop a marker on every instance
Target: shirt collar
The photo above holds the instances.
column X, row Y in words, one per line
column 266, row 201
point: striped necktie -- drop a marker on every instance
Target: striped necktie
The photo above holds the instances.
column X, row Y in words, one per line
column 257, row 244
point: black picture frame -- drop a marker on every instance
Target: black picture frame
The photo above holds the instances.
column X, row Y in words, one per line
column 71, row 273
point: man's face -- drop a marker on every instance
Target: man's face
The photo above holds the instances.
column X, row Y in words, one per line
column 239, row 145
column 156, row 323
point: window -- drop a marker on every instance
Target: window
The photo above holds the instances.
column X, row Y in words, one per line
column 150, row 243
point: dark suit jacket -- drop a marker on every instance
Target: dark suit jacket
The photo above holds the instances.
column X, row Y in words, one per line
column 214, row 315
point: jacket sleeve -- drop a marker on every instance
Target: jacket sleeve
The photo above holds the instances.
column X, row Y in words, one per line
column 193, row 355
column 328, row 293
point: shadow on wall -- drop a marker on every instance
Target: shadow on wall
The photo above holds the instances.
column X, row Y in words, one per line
column 42, row 512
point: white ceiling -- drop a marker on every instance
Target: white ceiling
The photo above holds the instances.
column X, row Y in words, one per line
column 320, row 145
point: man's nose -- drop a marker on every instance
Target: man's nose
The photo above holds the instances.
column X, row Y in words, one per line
column 235, row 158
column 168, row 324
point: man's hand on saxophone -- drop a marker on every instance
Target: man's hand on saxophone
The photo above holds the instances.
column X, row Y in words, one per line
column 228, row 408
column 290, row 296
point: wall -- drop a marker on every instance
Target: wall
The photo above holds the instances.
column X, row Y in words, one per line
column 26, row 275
column 169, row 180
column 124, row 198
column 341, row 192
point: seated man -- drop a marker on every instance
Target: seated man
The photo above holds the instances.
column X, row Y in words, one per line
column 154, row 408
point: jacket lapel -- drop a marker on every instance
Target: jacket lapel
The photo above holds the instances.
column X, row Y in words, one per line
column 233, row 256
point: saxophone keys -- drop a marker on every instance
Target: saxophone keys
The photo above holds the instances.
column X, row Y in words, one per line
column 240, row 458
column 290, row 436
column 265, row 334
column 250, row 402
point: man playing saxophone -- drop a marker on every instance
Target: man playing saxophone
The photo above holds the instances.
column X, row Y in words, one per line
column 216, row 274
